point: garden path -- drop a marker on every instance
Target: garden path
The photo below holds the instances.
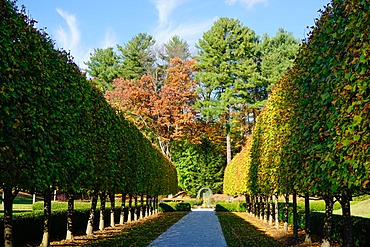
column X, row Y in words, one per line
column 200, row 227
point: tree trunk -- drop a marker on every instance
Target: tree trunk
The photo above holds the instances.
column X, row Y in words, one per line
column 286, row 213
column 247, row 201
column 347, row 222
column 156, row 204
column 151, row 205
column 147, row 205
column 329, row 202
column 267, row 209
column 112, row 208
column 70, row 195
column 141, row 206
column 261, row 207
column 90, row 222
column 308, row 238
column 46, row 219
column 135, row 209
column 255, row 202
column 8, row 198
column 129, row 217
column 122, row 215
column 228, row 148
column 165, row 147
column 276, row 212
column 271, row 211
column 103, row 197
column 295, row 216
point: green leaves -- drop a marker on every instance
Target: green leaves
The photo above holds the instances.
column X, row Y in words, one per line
column 57, row 128
column 313, row 133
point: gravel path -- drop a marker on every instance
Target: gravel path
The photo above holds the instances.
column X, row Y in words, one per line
column 198, row 228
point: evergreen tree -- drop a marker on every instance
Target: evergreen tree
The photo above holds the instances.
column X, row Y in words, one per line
column 199, row 165
column 103, row 67
column 228, row 73
column 176, row 48
column 137, row 56
column 278, row 54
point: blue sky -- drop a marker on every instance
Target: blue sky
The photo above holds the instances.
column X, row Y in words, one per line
column 79, row 26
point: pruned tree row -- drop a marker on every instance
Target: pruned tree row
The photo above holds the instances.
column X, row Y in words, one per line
column 312, row 137
column 58, row 131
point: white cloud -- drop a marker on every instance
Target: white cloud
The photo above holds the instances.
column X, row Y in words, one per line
column 168, row 27
column 110, row 39
column 165, row 8
column 70, row 39
column 190, row 32
column 247, row 3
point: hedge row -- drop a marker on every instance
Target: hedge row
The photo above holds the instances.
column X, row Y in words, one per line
column 174, row 206
column 57, row 128
column 28, row 227
column 58, row 131
column 361, row 226
column 312, row 137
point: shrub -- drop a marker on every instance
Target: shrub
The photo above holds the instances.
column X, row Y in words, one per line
column 316, row 206
column 174, row 206
column 237, row 206
column 28, row 227
column 361, row 228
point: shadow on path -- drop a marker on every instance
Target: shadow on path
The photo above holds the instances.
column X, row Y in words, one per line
column 238, row 232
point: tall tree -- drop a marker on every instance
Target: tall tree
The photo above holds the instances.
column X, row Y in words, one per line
column 277, row 54
column 176, row 47
column 166, row 114
column 138, row 57
column 198, row 165
column 228, row 72
column 103, row 67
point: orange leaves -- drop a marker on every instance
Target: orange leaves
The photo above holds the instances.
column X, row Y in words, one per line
column 165, row 111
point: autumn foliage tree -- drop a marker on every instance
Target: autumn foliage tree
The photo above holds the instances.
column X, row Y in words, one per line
column 166, row 114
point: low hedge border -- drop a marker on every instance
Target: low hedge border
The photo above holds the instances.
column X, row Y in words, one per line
column 361, row 226
column 28, row 226
column 174, row 206
column 236, row 206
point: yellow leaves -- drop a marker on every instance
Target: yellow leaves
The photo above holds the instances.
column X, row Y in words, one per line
column 16, row 123
column 357, row 119
column 365, row 183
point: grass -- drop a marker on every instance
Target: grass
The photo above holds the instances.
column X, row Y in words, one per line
column 239, row 232
column 358, row 208
column 142, row 234
column 22, row 203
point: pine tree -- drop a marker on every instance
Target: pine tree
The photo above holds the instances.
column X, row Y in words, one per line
column 137, row 56
column 228, row 73
column 278, row 54
column 176, row 48
column 103, row 67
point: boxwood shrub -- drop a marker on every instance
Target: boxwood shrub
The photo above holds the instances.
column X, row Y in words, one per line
column 28, row 226
column 174, row 206
column 236, row 206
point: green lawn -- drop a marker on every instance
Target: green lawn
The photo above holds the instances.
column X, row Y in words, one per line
column 358, row 208
column 239, row 232
column 142, row 234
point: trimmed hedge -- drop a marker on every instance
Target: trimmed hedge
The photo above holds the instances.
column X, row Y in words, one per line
column 360, row 227
column 27, row 227
column 174, row 206
column 237, row 206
